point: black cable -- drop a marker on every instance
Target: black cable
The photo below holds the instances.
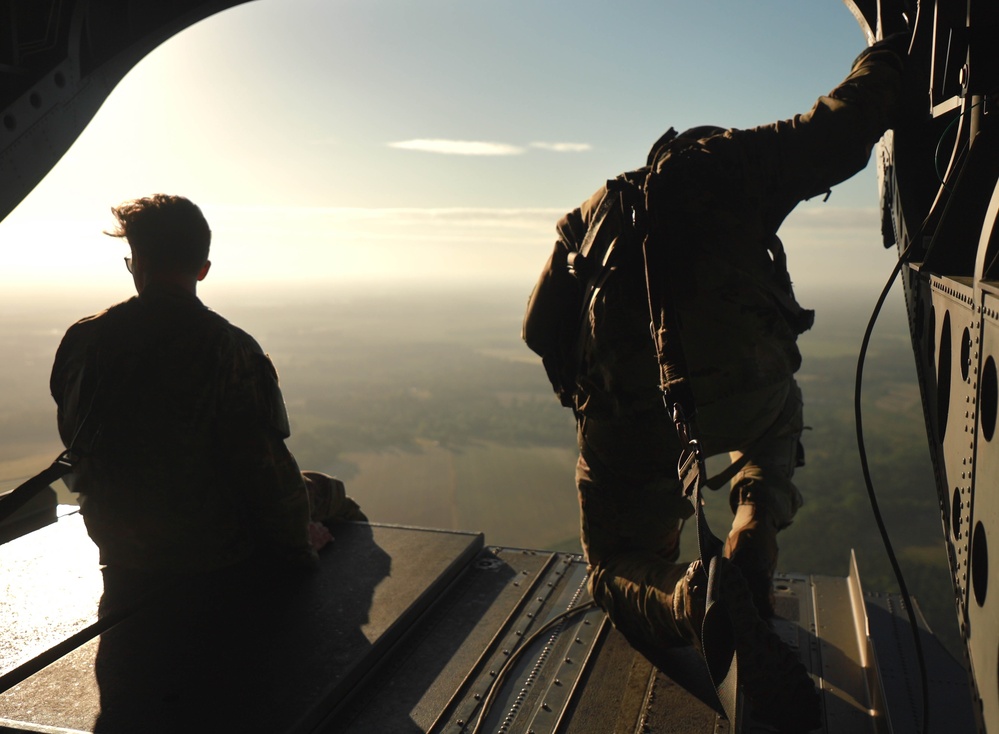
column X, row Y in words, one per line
column 902, row 259
column 501, row 674
column 858, row 414
column 954, row 153
column 872, row 496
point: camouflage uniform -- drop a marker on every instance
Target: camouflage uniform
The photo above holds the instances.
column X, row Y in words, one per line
column 721, row 199
column 190, row 471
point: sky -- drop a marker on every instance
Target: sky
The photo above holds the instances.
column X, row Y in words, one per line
column 360, row 141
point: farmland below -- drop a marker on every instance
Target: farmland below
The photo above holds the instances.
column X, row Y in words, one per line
column 433, row 412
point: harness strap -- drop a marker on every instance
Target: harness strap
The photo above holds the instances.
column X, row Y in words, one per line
column 87, row 434
column 717, row 636
column 583, row 263
column 723, row 477
column 18, row 497
column 81, row 445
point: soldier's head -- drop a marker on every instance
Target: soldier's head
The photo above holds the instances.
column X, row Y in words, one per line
column 699, row 133
column 671, row 141
column 169, row 238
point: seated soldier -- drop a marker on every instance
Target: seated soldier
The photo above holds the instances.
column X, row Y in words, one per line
column 179, row 422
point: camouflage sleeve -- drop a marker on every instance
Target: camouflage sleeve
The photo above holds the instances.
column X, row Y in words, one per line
column 69, row 382
column 795, row 159
column 265, row 476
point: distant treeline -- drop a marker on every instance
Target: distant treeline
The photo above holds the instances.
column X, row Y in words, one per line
column 367, row 374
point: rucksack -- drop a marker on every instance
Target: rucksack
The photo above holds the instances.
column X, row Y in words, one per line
column 556, row 324
column 580, row 263
column 556, row 320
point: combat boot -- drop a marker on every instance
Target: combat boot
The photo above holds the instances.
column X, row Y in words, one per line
column 779, row 689
column 752, row 547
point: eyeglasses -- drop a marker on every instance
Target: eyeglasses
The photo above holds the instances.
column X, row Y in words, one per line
column 128, row 264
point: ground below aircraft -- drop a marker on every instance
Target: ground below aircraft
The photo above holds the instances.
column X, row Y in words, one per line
column 407, row 629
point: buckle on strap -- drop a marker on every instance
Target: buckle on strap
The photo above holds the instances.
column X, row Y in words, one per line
column 690, row 468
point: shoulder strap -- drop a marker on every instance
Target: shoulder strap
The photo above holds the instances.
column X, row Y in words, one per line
column 17, row 498
column 678, row 398
column 592, row 265
column 82, row 444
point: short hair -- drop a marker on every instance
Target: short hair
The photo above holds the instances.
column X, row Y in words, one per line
column 168, row 232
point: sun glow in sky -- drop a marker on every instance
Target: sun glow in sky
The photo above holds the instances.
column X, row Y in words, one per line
column 363, row 140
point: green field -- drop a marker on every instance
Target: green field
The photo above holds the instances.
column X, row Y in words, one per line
column 435, row 415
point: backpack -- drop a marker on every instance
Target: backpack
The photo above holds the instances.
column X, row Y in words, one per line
column 556, row 321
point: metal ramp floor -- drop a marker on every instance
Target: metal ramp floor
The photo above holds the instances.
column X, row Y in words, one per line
column 409, row 630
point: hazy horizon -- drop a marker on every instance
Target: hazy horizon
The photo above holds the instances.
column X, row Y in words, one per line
column 477, row 318
column 428, row 405
column 362, row 150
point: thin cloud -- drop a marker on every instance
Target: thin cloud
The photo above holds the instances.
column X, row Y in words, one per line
column 458, row 147
column 563, row 147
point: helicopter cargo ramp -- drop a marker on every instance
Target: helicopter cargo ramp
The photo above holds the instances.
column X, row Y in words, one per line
column 411, row 630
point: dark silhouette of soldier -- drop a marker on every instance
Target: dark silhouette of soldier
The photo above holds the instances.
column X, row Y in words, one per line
column 715, row 199
column 179, row 420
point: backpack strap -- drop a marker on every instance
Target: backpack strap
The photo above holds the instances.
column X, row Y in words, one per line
column 674, row 377
column 579, row 262
column 83, row 441
column 591, row 264
column 18, row 497
column 661, row 282
column 81, row 445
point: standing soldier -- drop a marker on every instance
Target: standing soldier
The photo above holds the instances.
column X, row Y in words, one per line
column 711, row 271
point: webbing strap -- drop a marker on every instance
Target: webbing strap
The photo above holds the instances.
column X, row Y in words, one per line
column 82, row 443
column 726, row 475
column 717, row 635
column 18, row 497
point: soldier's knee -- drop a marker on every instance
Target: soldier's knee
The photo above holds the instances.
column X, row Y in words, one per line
column 774, row 492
